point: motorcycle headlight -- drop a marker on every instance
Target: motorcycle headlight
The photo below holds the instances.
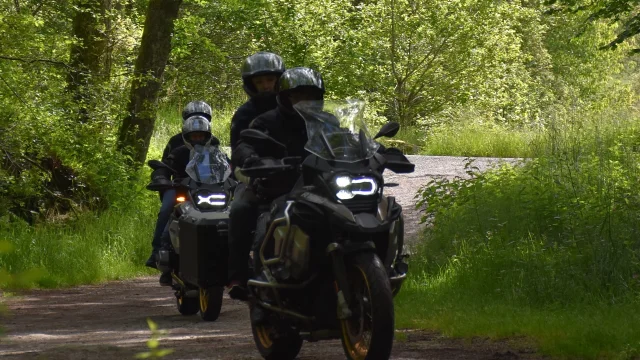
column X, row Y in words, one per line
column 348, row 187
column 210, row 201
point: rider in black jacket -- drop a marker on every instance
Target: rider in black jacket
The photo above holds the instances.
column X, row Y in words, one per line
column 285, row 125
column 168, row 196
column 260, row 74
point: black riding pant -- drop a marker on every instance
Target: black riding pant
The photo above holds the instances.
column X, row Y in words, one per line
column 242, row 222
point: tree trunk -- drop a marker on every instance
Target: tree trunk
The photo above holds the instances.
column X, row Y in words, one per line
column 155, row 47
column 89, row 53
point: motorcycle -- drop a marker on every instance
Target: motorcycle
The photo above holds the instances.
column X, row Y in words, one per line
column 327, row 257
column 198, row 229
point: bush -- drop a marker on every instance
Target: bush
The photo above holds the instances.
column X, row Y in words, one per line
column 548, row 248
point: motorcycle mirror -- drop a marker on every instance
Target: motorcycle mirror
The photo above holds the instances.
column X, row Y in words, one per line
column 389, row 130
column 255, row 136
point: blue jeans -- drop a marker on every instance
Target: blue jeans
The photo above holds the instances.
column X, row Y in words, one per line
column 168, row 202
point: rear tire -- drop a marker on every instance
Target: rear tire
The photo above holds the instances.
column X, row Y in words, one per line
column 187, row 305
column 274, row 345
column 210, row 302
column 368, row 334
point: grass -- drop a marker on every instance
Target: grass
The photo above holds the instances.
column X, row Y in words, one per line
column 95, row 247
column 485, row 140
column 470, row 139
column 579, row 331
column 548, row 249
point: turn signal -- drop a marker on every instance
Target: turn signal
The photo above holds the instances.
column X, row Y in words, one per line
column 180, row 199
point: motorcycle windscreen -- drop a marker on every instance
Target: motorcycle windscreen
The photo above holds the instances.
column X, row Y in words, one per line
column 337, row 130
column 208, row 165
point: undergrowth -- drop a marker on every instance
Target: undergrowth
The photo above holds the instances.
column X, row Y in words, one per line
column 548, row 248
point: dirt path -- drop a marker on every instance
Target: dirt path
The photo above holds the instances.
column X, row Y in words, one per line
column 108, row 321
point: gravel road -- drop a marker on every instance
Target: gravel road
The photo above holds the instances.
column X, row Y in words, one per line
column 108, row 321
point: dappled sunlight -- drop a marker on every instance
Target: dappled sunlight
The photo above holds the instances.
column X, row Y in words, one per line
column 113, row 318
column 40, row 342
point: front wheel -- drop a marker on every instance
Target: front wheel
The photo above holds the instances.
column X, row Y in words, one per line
column 186, row 305
column 274, row 344
column 211, row 302
column 368, row 333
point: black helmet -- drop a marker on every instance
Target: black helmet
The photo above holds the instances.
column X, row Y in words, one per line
column 198, row 107
column 299, row 78
column 194, row 124
column 260, row 63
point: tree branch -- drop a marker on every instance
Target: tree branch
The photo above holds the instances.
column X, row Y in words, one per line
column 17, row 3
column 31, row 61
column 432, row 53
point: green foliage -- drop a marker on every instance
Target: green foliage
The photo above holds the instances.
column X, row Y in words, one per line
column 113, row 245
column 154, row 344
column 414, row 62
column 52, row 163
column 90, row 246
column 599, row 331
column 425, row 64
column 483, row 139
column 552, row 230
column 14, row 280
column 622, row 12
column 536, row 245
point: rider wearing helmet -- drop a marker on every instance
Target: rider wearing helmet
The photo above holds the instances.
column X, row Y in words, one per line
column 197, row 107
column 196, row 133
column 260, row 74
column 168, row 196
column 285, row 125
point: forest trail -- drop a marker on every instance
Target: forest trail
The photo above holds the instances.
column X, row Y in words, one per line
column 108, row 321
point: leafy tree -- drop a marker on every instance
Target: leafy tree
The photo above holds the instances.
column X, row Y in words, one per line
column 624, row 12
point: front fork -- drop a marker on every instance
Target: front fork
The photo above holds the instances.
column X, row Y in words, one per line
column 337, row 253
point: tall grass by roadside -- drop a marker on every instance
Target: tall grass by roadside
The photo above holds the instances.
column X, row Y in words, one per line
column 92, row 248
column 579, row 331
column 548, row 249
column 469, row 138
column 489, row 140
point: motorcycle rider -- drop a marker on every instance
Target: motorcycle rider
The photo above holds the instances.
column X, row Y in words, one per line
column 260, row 74
column 285, row 125
column 168, row 197
column 196, row 133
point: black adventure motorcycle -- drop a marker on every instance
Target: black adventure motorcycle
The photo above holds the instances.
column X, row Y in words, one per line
column 198, row 229
column 327, row 257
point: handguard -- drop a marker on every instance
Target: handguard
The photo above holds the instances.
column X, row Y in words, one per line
column 160, row 179
column 397, row 162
